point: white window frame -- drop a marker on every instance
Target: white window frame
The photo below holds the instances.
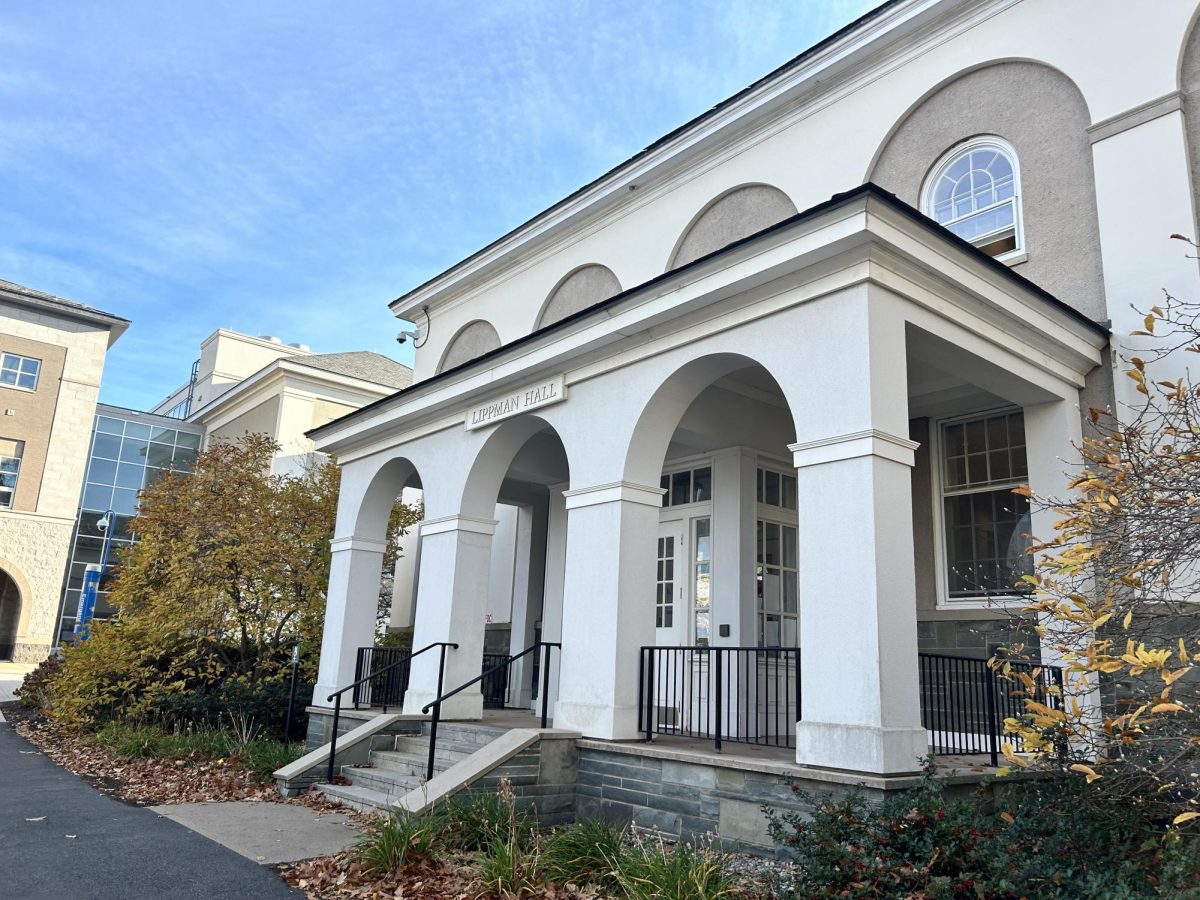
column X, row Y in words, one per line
column 10, row 494
column 941, row 554
column 21, row 358
column 983, row 142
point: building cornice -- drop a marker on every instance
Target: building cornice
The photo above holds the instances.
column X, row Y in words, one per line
column 864, row 51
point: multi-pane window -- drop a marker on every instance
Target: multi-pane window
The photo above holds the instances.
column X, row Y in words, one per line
column 10, row 468
column 127, row 456
column 775, row 574
column 986, row 524
column 776, row 489
column 664, row 601
column 19, row 371
column 688, row 486
column 974, row 193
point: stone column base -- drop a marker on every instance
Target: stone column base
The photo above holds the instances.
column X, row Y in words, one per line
column 30, row 653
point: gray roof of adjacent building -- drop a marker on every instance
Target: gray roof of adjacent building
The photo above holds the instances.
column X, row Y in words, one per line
column 50, row 303
column 363, row 364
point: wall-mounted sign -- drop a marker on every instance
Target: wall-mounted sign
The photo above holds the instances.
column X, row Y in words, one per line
column 524, row 399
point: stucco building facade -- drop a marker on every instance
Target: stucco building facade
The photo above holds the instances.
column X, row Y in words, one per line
column 768, row 385
column 51, row 358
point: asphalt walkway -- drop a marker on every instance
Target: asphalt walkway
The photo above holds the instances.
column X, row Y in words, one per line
column 61, row 838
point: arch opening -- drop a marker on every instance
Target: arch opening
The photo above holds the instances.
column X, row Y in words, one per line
column 581, row 288
column 10, row 614
column 471, row 341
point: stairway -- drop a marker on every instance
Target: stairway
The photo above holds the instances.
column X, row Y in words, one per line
column 394, row 772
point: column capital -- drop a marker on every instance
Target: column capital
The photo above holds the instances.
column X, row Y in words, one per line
column 353, row 542
column 458, row 523
column 871, row 442
column 614, row 492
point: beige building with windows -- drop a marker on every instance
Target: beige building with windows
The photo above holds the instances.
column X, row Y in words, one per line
column 245, row 384
column 51, row 357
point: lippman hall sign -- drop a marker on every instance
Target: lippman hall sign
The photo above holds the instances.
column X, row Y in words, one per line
column 524, row 399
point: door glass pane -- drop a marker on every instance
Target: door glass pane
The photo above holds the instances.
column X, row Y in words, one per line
column 701, row 485
column 702, row 598
column 681, row 484
column 771, row 488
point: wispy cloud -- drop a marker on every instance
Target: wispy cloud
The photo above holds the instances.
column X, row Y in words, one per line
column 290, row 167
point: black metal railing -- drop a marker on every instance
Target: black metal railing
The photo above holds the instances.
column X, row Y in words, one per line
column 748, row 695
column 495, row 683
column 436, row 705
column 336, row 697
column 964, row 701
column 386, row 689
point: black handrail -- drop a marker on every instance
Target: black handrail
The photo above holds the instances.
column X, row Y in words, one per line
column 436, row 705
column 336, row 696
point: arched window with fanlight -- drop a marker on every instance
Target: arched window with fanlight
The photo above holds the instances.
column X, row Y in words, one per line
column 975, row 191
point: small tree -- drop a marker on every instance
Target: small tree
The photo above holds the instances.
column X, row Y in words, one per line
column 228, row 572
column 1116, row 590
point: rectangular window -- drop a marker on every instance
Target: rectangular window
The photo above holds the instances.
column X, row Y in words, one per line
column 688, row 486
column 986, row 525
column 776, row 489
column 10, row 468
column 664, row 601
column 776, row 577
column 702, row 580
column 19, row 371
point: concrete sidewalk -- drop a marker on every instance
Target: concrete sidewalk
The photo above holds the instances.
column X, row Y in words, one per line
column 11, row 676
column 61, row 838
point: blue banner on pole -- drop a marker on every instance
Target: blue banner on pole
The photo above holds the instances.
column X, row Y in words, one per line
column 87, row 602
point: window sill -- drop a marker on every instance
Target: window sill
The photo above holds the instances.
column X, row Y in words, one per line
column 17, row 387
column 1013, row 257
column 1000, row 603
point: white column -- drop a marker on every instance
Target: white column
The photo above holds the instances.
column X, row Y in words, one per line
column 452, row 598
column 350, row 608
column 860, row 699
column 1053, row 432
column 552, row 591
column 607, row 610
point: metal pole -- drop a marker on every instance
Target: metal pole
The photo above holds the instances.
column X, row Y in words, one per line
column 433, row 724
column 993, row 725
column 287, row 729
column 545, row 683
column 649, row 693
column 337, row 712
column 717, row 685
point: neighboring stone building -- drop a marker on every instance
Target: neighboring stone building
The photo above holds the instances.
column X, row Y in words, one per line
column 51, row 357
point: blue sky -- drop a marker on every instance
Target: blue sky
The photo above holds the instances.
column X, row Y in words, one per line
column 289, row 167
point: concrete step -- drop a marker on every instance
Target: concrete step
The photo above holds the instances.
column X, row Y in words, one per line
column 386, row 781
column 360, row 798
column 464, row 733
column 447, row 749
column 408, row 763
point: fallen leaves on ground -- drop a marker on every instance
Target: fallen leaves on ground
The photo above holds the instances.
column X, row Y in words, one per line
column 339, row 877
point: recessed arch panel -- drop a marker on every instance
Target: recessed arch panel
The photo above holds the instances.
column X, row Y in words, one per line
column 583, row 287
column 734, row 215
column 1042, row 114
column 472, row 341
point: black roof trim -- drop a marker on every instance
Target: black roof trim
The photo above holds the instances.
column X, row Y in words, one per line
column 667, row 138
column 867, row 189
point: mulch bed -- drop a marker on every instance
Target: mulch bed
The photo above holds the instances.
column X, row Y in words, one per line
column 153, row 781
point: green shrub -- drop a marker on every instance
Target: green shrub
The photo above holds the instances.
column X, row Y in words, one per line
column 264, row 757
column 652, row 870
column 402, row 840
column 35, row 690
column 1048, row 838
column 584, row 853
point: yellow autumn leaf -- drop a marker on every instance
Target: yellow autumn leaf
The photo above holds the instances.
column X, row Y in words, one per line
column 1185, row 817
column 1166, row 708
column 1089, row 773
column 1128, row 618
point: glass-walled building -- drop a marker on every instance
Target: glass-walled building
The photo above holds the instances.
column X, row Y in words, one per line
column 129, row 450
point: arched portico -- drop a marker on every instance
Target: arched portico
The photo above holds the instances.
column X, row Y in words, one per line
column 10, row 614
column 514, row 467
column 369, row 491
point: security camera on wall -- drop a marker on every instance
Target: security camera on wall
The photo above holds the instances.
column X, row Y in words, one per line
column 417, row 333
